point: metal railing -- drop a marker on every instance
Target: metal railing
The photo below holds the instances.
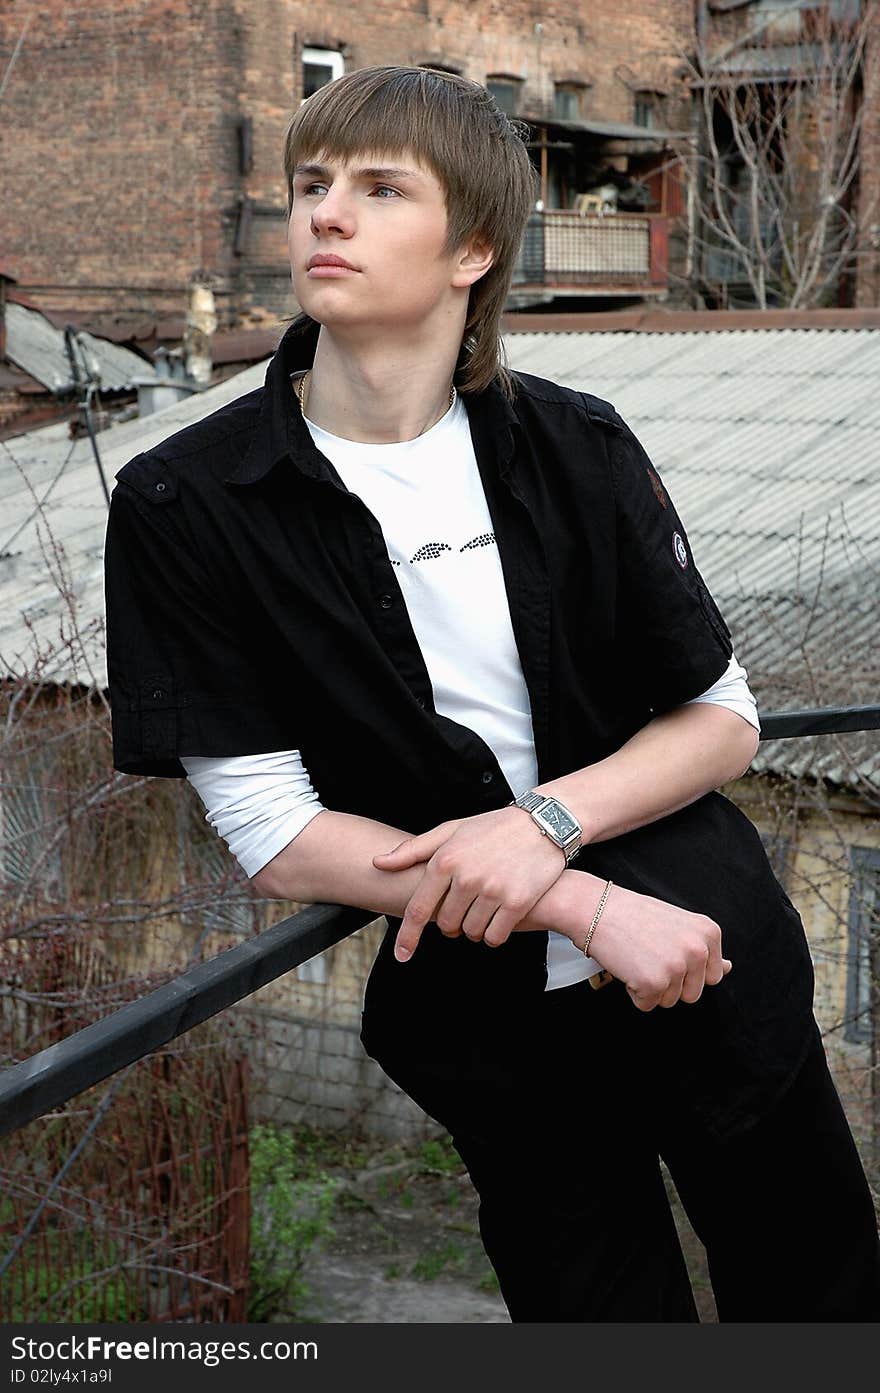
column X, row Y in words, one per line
column 53, row 1076
column 562, row 248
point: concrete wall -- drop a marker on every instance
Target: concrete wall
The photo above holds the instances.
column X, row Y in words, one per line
column 308, row 1064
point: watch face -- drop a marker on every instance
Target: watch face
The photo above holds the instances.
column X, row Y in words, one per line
column 558, row 820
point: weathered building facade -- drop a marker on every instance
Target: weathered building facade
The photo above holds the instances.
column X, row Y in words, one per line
column 142, row 138
column 785, row 196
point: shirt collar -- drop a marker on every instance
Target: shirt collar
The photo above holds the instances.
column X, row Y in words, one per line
column 281, row 432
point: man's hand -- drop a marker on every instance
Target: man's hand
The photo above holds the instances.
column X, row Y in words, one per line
column 483, row 875
column 663, row 954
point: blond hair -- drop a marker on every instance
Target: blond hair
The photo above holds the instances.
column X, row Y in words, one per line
column 454, row 127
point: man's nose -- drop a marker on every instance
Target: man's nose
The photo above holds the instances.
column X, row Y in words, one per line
column 334, row 213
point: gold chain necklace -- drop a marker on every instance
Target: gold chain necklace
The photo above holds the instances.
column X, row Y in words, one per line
column 301, row 390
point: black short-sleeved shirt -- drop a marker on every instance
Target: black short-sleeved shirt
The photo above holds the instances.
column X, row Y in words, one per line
column 252, row 606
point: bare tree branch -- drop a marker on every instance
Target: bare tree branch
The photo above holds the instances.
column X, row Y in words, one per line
column 774, row 183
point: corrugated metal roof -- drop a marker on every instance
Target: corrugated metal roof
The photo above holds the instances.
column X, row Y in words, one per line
column 52, row 535
column 769, row 444
column 36, row 346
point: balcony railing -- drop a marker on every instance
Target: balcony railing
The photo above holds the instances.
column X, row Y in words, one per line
column 593, row 253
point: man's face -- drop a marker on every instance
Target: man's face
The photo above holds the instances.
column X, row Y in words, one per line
column 385, row 220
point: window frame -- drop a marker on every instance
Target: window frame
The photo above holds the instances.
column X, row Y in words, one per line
column 650, row 101
column 513, row 83
column 573, row 91
column 862, row 955
column 317, row 58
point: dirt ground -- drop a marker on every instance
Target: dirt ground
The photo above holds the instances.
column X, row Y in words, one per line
column 406, row 1246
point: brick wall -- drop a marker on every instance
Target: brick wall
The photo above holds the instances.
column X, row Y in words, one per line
column 119, row 158
column 614, row 47
column 120, row 151
column 120, row 144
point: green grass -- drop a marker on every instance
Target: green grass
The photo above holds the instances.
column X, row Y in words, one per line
column 447, row 1260
column 94, row 1295
column 441, row 1155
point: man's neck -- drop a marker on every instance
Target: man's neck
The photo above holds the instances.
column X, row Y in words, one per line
column 378, row 393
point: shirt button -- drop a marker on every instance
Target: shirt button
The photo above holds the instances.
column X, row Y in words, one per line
column 385, row 601
column 158, row 694
column 160, row 488
column 488, row 776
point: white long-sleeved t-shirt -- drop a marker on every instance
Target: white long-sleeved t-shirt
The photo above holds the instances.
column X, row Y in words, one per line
column 428, row 498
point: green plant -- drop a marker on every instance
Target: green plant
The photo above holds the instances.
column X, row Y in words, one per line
column 91, row 1289
column 290, row 1215
column 450, row 1257
column 440, row 1155
column 321, row 1149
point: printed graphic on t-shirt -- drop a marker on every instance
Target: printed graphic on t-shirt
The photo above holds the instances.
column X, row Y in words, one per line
column 429, row 550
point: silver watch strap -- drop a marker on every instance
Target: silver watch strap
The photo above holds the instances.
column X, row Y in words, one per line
column 530, row 800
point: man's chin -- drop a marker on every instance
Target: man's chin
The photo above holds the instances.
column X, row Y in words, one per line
column 343, row 319
column 329, row 309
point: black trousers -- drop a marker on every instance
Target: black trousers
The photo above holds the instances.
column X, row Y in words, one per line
column 561, row 1119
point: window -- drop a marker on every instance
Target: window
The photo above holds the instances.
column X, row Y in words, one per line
column 320, row 66
column 506, row 92
column 647, row 108
column 863, row 955
column 567, row 101
column 314, row 969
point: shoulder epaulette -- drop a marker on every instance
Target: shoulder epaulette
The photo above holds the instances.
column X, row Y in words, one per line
column 599, row 410
column 150, row 477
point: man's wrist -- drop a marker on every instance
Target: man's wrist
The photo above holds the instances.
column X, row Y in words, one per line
column 567, row 906
column 553, row 819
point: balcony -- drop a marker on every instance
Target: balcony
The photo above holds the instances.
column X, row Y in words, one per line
column 569, row 253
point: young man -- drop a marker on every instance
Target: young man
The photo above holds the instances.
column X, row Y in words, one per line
column 370, row 605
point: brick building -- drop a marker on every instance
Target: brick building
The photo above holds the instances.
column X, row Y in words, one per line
column 789, row 174
column 868, row 279
column 141, row 139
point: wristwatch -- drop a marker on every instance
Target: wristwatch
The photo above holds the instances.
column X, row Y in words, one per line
column 554, row 821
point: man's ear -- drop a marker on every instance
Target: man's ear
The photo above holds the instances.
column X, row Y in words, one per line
column 474, row 259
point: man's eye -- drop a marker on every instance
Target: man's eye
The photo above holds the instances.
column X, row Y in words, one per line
column 314, row 188
column 386, row 188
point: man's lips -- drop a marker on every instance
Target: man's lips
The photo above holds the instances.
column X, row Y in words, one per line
column 323, row 261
